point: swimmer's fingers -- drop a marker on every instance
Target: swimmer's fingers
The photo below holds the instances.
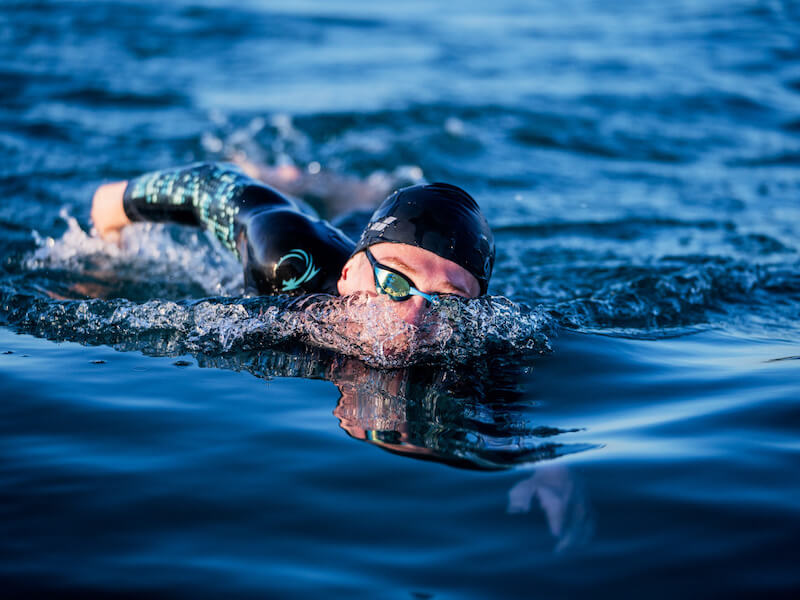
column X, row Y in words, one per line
column 250, row 168
column 285, row 178
column 279, row 176
column 108, row 214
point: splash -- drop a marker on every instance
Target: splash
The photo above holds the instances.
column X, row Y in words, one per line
column 359, row 326
column 456, row 331
column 146, row 254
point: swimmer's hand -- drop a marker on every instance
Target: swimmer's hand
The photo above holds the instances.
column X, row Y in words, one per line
column 108, row 215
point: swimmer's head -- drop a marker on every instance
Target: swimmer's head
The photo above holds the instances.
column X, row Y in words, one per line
column 440, row 218
column 432, row 234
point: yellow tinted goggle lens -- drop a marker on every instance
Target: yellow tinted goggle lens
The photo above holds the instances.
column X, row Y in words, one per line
column 393, row 284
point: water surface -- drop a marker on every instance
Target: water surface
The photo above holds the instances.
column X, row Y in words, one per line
column 625, row 420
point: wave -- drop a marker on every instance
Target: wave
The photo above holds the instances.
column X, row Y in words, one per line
column 97, row 96
column 171, row 290
column 662, row 302
column 625, row 229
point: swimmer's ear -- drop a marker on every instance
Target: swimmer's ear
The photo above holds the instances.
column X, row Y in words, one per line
column 340, row 285
column 343, row 285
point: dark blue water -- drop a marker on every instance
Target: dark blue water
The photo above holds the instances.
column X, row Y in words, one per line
column 626, row 424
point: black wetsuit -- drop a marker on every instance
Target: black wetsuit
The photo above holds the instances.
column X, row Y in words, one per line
column 282, row 249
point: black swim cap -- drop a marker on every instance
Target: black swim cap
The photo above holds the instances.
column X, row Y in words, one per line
column 440, row 218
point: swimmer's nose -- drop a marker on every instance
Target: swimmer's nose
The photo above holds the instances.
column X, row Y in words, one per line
column 413, row 310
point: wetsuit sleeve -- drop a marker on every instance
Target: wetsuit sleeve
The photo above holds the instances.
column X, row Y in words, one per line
column 206, row 195
column 282, row 250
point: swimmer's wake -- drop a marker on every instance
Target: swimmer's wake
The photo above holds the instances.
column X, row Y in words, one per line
column 358, row 326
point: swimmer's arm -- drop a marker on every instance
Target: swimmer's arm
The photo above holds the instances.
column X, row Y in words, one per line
column 197, row 195
column 203, row 195
column 331, row 194
column 184, row 195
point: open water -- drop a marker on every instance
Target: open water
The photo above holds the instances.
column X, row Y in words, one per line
column 620, row 418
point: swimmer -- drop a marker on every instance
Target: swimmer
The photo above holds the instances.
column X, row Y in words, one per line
column 422, row 242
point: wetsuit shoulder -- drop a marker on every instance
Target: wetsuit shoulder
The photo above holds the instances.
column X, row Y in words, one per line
column 286, row 252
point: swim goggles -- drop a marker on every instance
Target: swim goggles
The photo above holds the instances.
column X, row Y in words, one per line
column 393, row 283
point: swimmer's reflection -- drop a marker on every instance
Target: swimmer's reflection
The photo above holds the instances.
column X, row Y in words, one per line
column 474, row 418
column 461, row 421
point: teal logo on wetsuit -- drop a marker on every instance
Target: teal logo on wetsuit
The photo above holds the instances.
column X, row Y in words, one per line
column 296, row 282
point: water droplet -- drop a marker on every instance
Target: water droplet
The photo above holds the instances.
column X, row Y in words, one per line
column 454, row 126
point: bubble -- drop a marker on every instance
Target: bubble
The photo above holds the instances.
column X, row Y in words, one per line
column 211, row 143
column 454, row 126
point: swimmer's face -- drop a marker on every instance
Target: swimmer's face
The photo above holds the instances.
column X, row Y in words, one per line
column 429, row 272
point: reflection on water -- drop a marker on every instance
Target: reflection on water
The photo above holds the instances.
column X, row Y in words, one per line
column 480, row 419
column 475, row 422
column 477, row 419
column 562, row 497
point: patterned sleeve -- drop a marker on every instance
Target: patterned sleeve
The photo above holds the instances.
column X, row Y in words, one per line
column 206, row 195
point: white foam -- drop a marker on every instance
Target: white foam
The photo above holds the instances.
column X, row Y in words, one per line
column 147, row 251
